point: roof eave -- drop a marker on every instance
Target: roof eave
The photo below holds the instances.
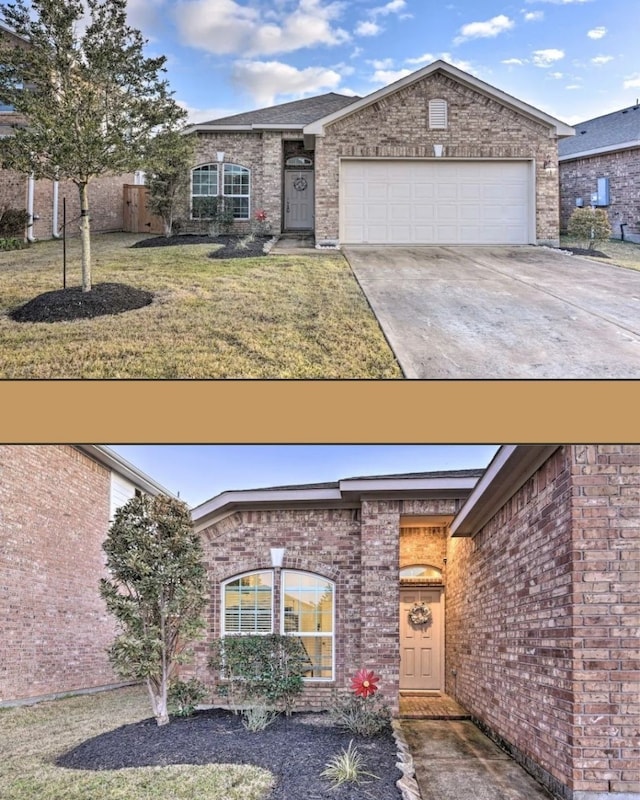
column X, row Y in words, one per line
column 597, row 151
column 256, row 126
column 560, row 129
column 110, row 459
column 511, row 467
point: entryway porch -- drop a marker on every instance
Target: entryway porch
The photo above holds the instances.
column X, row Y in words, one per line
column 414, row 705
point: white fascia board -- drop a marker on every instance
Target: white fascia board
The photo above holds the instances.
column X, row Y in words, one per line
column 113, row 461
column 511, row 467
column 256, row 126
column 390, row 485
column 262, row 497
column 612, row 148
column 561, row 129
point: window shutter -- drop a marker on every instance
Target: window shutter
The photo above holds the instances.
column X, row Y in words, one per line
column 437, row 113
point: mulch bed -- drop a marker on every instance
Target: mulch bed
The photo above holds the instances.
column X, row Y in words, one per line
column 294, row 749
column 581, row 251
column 72, row 303
column 233, row 245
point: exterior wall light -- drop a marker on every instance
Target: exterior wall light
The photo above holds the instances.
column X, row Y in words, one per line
column 438, row 150
column 549, row 167
column 277, row 556
column 220, row 156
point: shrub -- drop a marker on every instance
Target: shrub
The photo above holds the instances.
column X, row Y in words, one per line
column 261, row 669
column 13, row 221
column 347, row 767
column 364, row 716
column 184, row 696
column 589, row 226
column 257, row 718
column 13, row 244
column 215, row 209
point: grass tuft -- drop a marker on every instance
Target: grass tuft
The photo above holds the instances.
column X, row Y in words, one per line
column 347, row 767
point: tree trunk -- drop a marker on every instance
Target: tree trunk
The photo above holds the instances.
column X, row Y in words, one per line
column 85, row 237
column 158, row 695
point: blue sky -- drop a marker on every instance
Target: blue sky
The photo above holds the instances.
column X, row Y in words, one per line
column 574, row 59
column 199, row 472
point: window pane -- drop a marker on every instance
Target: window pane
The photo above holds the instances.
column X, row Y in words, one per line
column 248, row 604
column 236, row 188
column 319, row 650
column 205, row 181
column 308, row 610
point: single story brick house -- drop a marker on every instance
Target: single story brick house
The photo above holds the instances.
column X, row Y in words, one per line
column 438, row 157
column 56, row 503
column 600, row 166
column 528, row 571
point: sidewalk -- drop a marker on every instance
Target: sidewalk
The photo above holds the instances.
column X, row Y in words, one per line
column 454, row 761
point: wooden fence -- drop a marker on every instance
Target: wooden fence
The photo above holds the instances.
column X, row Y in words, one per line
column 135, row 214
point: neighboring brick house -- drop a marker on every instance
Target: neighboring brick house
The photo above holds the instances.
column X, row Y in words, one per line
column 603, row 159
column 55, row 507
column 44, row 199
column 439, row 157
column 530, row 571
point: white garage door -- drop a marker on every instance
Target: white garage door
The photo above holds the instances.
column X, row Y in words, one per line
column 435, row 202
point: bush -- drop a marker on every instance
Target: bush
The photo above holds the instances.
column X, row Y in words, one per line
column 257, row 718
column 364, row 716
column 13, row 221
column 347, row 767
column 184, row 696
column 215, row 209
column 261, row 670
column 13, row 244
column 589, row 226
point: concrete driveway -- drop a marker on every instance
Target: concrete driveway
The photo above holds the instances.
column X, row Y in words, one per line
column 502, row 312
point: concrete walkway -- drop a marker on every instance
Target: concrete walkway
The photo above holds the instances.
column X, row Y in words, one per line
column 502, row 312
column 454, row 761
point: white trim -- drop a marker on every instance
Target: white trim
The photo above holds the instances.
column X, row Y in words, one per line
column 559, row 128
column 313, row 634
column 114, row 462
column 596, row 151
column 405, row 484
column 511, row 467
column 247, row 128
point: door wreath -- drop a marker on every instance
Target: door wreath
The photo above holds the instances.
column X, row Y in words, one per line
column 420, row 614
column 300, row 184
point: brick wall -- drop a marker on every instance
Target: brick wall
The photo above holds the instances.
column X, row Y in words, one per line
column 539, row 634
column 397, row 127
column 54, row 515
column 606, row 590
column 578, row 178
column 423, row 546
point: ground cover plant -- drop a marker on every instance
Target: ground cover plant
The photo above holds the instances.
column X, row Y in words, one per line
column 610, row 251
column 106, row 747
column 290, row 316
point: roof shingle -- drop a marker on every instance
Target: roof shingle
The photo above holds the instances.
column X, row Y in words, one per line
column 609, row 130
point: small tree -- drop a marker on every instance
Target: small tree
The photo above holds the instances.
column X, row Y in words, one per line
column 168, row 161
column 156, row 591
column 589, row 226
column 91, row 99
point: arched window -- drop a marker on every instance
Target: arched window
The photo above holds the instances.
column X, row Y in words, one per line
column 299, row 161
column 420, row 572
column 308, row 612
column 438, row 113
column 247, row 604
column 213, row 185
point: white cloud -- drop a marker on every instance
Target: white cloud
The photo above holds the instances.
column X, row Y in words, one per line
column 572, row 87
column 465, row 66
column 196, row 115
column 597, row 33
column 533, row 16
column 393, row 7
column 559, row 2
column 368, row 28
column 556, row 75
column 514, row 62
column 484, row 30
column 600, row 60
column 633, row 81
column 545, row 58
column 264, row 80
column 386, row 76
column 225, row 26
column 427, row 58
column 382, row 63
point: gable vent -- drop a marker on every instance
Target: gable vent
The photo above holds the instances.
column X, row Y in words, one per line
column 437, row 113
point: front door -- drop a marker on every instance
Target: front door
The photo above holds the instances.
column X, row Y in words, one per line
column 298, row 200
column 421, row 645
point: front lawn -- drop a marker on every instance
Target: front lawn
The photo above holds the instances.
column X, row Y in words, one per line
column 32, row 738
column 292, row 316
column 623, row 254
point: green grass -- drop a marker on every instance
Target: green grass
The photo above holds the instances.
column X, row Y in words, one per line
column 623, row 254
column 291, row 316
column 31, row 738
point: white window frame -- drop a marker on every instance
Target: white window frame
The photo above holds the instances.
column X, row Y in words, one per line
column 223, row 607
column 220, row 169
column 438, row 114
column 314, row 634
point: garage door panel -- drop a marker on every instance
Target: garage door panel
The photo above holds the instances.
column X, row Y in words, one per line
column 435, row 202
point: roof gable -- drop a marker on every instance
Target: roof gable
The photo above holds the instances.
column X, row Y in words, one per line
column 616, row 131
column 556, row 127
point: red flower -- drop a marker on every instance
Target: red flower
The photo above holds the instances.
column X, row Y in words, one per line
column 261, row 215
column 364, row 683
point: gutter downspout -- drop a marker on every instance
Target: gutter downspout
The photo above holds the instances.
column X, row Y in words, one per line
column 54, row 222
column 31, row 185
